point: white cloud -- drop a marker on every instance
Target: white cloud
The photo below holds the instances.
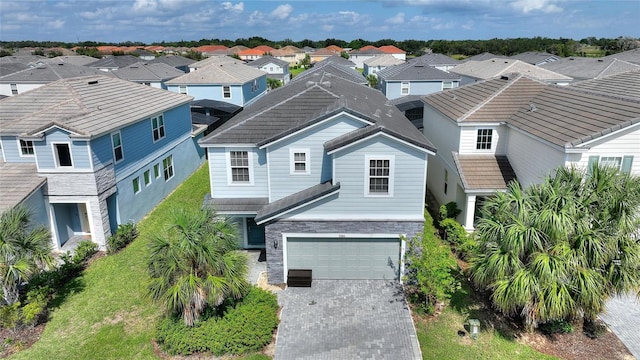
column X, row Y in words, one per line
column 256, row 17
column 348, row 13
column 237, row 8
column 101, row 13
column 56, row 24
column 396, row 20
column 327, row 27
column 145, row 5
column 527, row 6
column 281, row 12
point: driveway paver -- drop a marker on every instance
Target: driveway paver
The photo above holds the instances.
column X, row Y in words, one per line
column 622, row 315
column 346, row 319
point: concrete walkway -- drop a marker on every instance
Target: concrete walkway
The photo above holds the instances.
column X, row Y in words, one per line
column 346, row 319
column 622, row 315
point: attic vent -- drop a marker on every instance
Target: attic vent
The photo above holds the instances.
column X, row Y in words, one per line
column 60, row 64
column 377, row 113
column 532, row 107
column 600, row 60
column 326, row 84
column 504, row 77
column 92, row 82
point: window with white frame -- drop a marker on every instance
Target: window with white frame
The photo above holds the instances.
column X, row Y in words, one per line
column 182, row 89
column 157, row 124
column 404, row 88
column 254, row 86
column 116, row 142
column 14, row 89
column 136, row 185
column 379, row 175
column 63, row 155
column 447, row 85
column 484, row 139
column 167, row 166
column 156, row 170
column 26, row 148
column 147, row 178
column 622, row 163
column 611, row 161
column 226, row 92
column 299, row 161
column 239, row 166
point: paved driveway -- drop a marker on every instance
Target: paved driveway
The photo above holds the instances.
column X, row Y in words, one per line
column 346, row 319
column 622, row 315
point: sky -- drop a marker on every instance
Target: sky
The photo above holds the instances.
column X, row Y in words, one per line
column 172, row 20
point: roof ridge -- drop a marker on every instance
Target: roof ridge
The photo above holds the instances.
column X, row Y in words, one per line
column 486, row 101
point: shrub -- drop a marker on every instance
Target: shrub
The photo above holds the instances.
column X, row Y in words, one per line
column 594, row 328
column 84, row 251
column 10, row 315
column 125, row 234
column 449, row 210
column 556, row 327
column 248, row 326
column 457, row 237
column 36, row 308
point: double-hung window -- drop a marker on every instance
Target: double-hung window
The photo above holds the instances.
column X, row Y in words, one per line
column 404, row 88
column 620, row 163
column 299, row 161
column 116, row 142
column 379, row 176
column 157, row 124
column 167, row 166
column 182, row 89
column 484, row 139
column 26, row 148
column 239, row 166
column 226, row 92
column 14, row 89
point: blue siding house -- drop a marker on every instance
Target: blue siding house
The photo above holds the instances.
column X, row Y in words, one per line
column 97, row 152
column 231, row 82
column 325, row 175
column 414, row 78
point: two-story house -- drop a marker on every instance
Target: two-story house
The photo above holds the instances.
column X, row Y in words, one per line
column 514, row 127
column 325, row 175
column 36, row 76
column 472, row 71
column 232, row 82
column 376, row 64
column 154, row 75
column 275, row 68
column 414, row 78
column 89, row 153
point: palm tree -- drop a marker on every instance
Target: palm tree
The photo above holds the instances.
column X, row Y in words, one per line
column 560, row 249
column 24, row 250
column 196, row 264
column 372, row 80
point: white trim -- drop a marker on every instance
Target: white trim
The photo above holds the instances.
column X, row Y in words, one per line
column 292, row 161
column 144, row 180
column 152, row 129
column 227, row 154
column 424, row 182
column 267, row 154
column 154, row 171
column 492, row 143
column 63, row 129
column 366, row 217
column 55, row 155
column 613, row 133
column 2, row 151
column 222, row 92
column 136, row 179
column 408, row 83
column 49, row 201
column 314, row 125
column 381, row 134
column 33, row 145
column 367, row 188
column 297, row 207
column 173, row 170
column 480, row 124
column 113, row 147
column 218, row 146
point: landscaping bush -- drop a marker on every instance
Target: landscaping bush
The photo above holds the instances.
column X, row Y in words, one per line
column 594, row 328
column 457, row 237
column 248, row 326
column 125, row 234
column 556, row 327
column 10, row 315
column 84, row 251
column 449, row 210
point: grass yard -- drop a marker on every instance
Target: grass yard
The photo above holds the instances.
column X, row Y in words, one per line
column 106, row 314
column 295, row 72
column 439, row 337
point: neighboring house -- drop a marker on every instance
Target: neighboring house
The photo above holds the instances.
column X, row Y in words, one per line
column 472, row 71
column 275, row 68
column 632, row 56
column 89, row 153
column 143, row 54
column 218, row 60
column 484, row 56
column 324, row 175
column 179, row 62
column 250, row 54
column 514, row 127
column 10, row 68
column 236, row 49
column 24, row 59
column 536, row 58
column 212, row 113
column 376, row 64
column 582, row 68
column 343, row 72
column 358, row 57
column 110, row 63
column 322, row 54
column 412, row 107
column 232, row 82
column 35, row 77
column 155, row 75
column 81, row 60
column 390, row 49
column 414, row 78
column 438, row 61
column 338, row 60
column 211, row 50
column 284, row 54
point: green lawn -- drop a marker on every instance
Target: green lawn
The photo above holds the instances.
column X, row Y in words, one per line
column 439, row 337
column 295, row 72
column 106, row 314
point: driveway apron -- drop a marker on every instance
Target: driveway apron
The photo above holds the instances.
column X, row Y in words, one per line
column 622, row 315
column 346, row 319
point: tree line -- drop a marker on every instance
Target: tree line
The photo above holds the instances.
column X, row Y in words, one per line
column 507, row 47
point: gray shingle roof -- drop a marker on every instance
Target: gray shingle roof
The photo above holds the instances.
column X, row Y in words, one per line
column 114, row 62
column 10, row 68
column 581, row 68
column 147, row 72
column 337, row 60
column 266, row 60
column 24, row 59
column 336, row 70
column 370, row 51
column 218, row 59
column 484, row 56
column 232, row 73
column 484, row 172
column 172, row 60
column 234, row 205
column 49, row 72
column 300, row 104
column 89, row 106
column 435, row 59
column 415, row 71
column 534, row 58
column 488, row 69
column 18, row 181
column 383, row 60
column 632, row 56
column 295, row 200
column 625, row 85
column 81, row 60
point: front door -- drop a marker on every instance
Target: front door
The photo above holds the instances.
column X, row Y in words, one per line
column 255, row 233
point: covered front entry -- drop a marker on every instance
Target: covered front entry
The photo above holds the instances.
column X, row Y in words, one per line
column 71, row 219
column 345, row 258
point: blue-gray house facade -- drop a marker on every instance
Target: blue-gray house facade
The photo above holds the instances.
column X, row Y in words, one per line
column 106, row 152
column 414, row 78
column 325, row 175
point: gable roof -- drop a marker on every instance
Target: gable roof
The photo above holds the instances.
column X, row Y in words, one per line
column 484, row 56
column 172, row 60
column 292, row 48
column 291, row 108
column 114, row 62
column 147, row 72
column 218, row 59
column 89, row 106
column 18, row 182
column 296, row 200
column 264, row 48
column 369, row 51
column 81, row 60
column 495, row 67
column 581, row 68
column 340, row 71
column 632, row 56
column 10, row 68
column 46, row 73
column 483, row 171
column 266, row 60
column 624, row 85
column 235, row 73
column 435, row 59
column 383, row 60
column 535, row 58
column 415, row 71
column 338, row 60
column 390, row 49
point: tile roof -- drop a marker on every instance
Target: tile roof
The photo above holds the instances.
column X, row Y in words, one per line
column 367, row 47
column 338, row 60
column 390, row 49
column 233, row 205
column 216, row 104
column 147, row 72
column 267, row 59
column 236, row 49
column 230, row 73
column 484, row 172
column 383, row 60
column 495, row 67
column 251, row 52
column 18, row 181
column 89, row 106
column 25, row 59
column 581, row 68
column 264, row 48
column 415, row 71
column 435, row 59
column 295, row 200
column 625, row 85
column 534, row 58
column 369, row 51
column 210, row 48
column 114, row 62
column 343, row 72
column 173, row 60
column 292, row 48
column 50, row 72
column 484, row 56
column 81, row 60
column 293, row 107
column 221, row 59
column 334, row 48
column 632, row 56
column 10, row 68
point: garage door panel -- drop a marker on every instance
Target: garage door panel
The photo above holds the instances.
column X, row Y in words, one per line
column 345, row 258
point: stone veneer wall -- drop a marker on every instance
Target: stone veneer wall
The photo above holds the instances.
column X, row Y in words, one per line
column 273, row 232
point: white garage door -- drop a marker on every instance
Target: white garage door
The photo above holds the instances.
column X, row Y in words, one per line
column 345, row 258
